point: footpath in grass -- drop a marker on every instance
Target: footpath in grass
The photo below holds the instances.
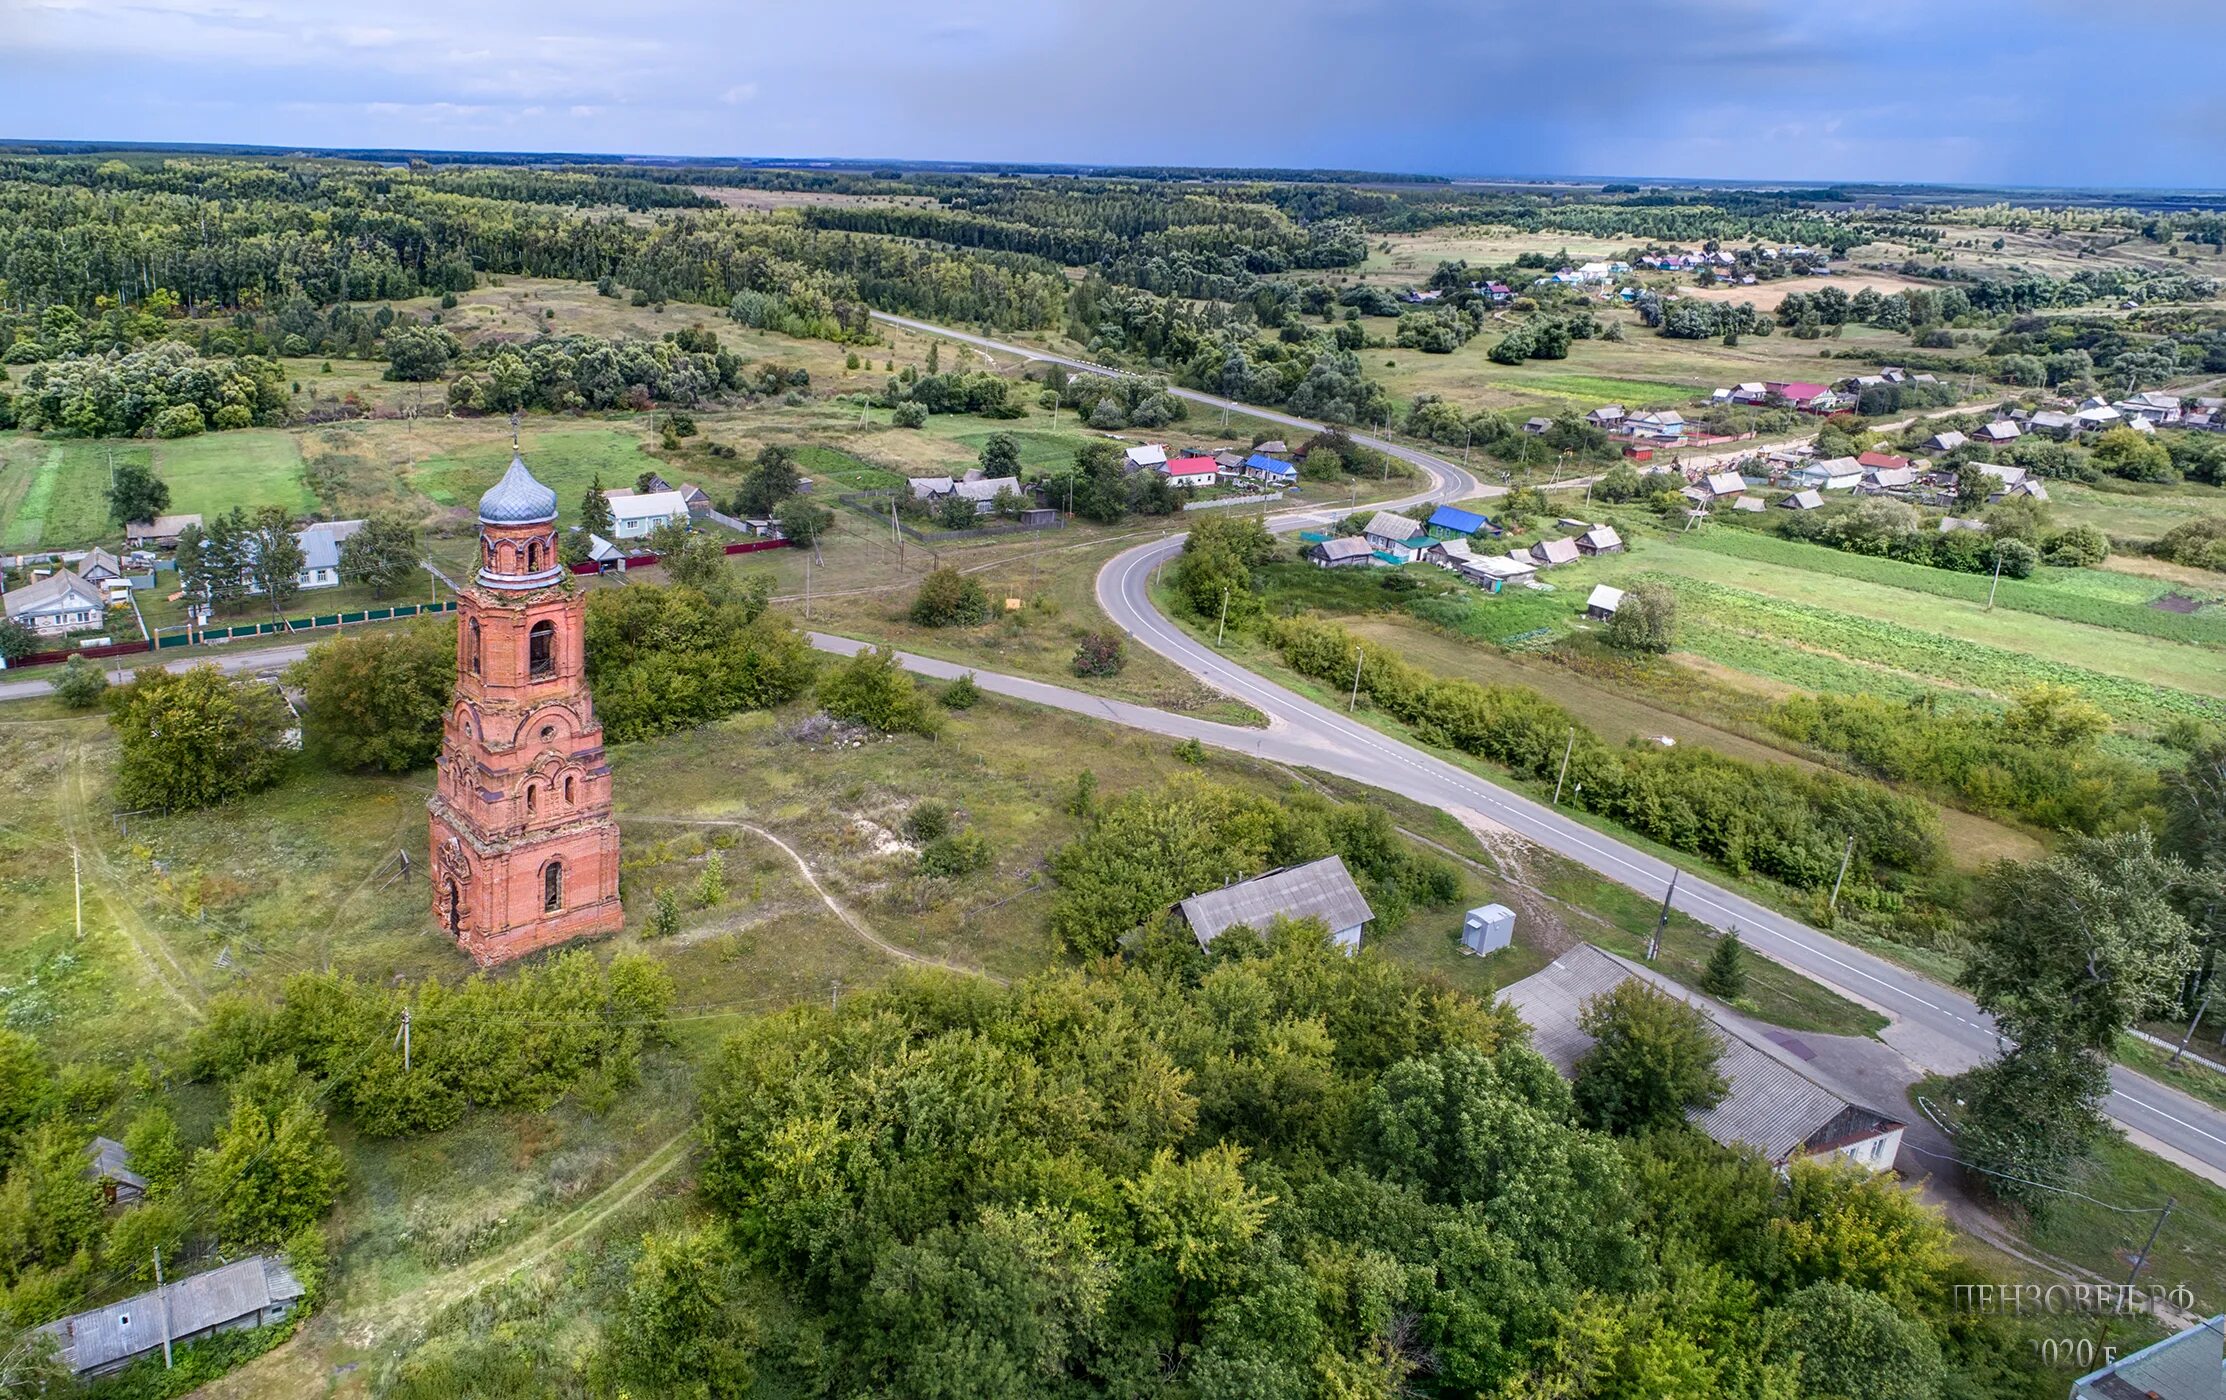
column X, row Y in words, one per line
column 54, row 495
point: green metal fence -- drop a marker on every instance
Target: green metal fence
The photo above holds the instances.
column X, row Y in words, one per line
column 304, row 624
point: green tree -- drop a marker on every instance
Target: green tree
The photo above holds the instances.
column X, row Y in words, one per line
column 271, row 556
column 2073, row 948
column 872, row 689
column 135, row 493
column 272, row 1169
column 1726, row 975
column 152, row 1141
column 1645, row 621
column 803, row 521
column 418, row 353
column 595, row 509
column 81, row 684
column 2134, row 456
column 384, row 553
column 772, row 479
column 711, row 882
column 1653, row 1062
column 948, row 598
column 685, row 1329
column 196, row 738
column 1853, row 1345
column 17, row 640
column 27, row 1088
column 693, row 560
column 376, row 701
column 2030, row 1118
column 1000, row 455
column 49, row 1206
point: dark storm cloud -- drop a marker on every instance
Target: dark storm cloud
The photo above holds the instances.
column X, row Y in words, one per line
column 2026, row 91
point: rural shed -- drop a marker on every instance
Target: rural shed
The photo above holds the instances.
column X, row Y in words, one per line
column 1603, row 602
column 1803, row 500
column 108, row 1163
column 2189, row 1365
column 1750, row 503
column 252, row 1292
column 1768, row 1105
column 1552, row 552
column 1320, row 889
column 1488, row 928
column 1348, row 552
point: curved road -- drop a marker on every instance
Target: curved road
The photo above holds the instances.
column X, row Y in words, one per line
column 1936, row 1027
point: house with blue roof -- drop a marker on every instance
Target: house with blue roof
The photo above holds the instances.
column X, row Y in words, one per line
column 1450, row 522
column 1261, row 467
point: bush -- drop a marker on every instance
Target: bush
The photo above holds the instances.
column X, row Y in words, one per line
column 2076, row 547
column 1646, row 620
column 910, row 415
column 961, row 694
column 2199, row 544
column 927, row 821
column 1190, row 751
column 957, row 853
column 81, row 685
column 872, row 689
column 197, row 738
column 1100, row 654
column 948, row 598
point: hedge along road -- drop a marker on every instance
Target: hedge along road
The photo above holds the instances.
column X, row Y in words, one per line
column 1936, row 1027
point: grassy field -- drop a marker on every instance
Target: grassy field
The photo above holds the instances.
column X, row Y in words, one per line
column 53, row 494
column 2134, row 510
column 213, row 472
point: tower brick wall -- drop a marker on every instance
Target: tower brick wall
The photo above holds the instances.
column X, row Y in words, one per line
column 524, row 848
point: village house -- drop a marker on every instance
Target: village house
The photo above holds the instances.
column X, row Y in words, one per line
column 57, row 605
column 1149, row 457
column 635, row 515
column 320, row 552
column 1829, row 474
column 160, row 533
column 2007, row 476
column 252, row 1292
column 1190, row 472
column 2097, row 418
column 1948, row 441
column 1770, row 1102
column 1396, row 536
column 1273, row 447
column 699, row 504
column 1448, row 521
column 1269, row 471
column 1665, row 426
column 1890, row 479
column 1803, row 396
column 1601, row 604
column 1538, row 427
column 2153, row 407
column 2052, row 422
column 1321, row 889
column 1342, row 552
column 1606, row 416
column 1720, row 484
column 1600, row 539
column 1553, row 553
column 1493, row 572
column 1998, row 432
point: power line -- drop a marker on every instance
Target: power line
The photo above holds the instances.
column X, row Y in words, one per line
column 2036, row 1185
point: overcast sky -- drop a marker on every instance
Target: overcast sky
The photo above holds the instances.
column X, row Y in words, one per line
column 2054, row 92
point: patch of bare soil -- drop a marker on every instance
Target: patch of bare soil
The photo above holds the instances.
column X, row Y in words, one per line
column 2178, row 603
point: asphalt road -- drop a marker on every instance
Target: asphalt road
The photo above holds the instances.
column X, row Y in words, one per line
column 1938, row 1028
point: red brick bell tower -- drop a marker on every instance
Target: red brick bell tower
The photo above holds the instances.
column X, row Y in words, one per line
column 525, row 853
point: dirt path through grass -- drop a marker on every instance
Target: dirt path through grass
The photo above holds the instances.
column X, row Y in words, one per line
column 106, row 884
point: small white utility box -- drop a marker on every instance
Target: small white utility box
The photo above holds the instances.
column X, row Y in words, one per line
column 1489, row 929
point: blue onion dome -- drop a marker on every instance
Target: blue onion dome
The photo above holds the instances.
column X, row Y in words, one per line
column 517, row 499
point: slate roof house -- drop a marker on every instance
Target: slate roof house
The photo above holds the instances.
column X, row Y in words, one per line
column 1151, row 454
column 1602, row 602
column 1769, row 1104
column 320, row 552
column 1321, row 889
column 1344, row 552
column 1600, row 539
column 161, row 532
column 253, row 1292
column 1948, row 441
column 99, row 566
column 59, row 604
column 635, row 516
column 1396, row 535
column 2190, row 1365
column 1998, row 431
column 1552, row 552
column 1605, row 416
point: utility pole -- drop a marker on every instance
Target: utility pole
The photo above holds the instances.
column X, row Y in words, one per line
column 402, row 1038
column 1355, row 700
column 834, row 995
column 1997, row 578
column 1845, row 856
column 1654, row 940
column 2199, row 1010
column 1564, row 773
column 807, row 588
column 162, row 1307
column 1222, row 630
column 77, row 892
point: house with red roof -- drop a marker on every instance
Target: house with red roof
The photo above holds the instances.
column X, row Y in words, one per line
column 1191, row 471
column 1808, row 398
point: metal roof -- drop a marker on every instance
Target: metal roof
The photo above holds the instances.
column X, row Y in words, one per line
column 1317, row 890
column 1768, row 1104
column 110, row 1162
column 2188, row 1366
column 1349, row 547
column 103, row 1336
column 1468, row 522
column 518, row 499
column 1605, row 598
